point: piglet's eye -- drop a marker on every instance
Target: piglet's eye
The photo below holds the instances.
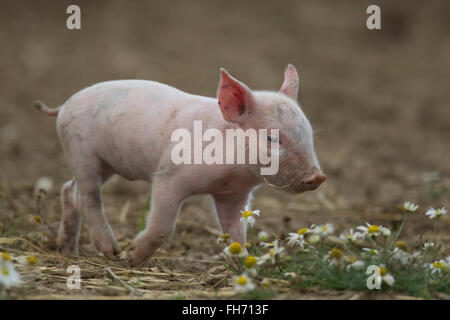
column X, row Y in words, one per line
column 272, row 139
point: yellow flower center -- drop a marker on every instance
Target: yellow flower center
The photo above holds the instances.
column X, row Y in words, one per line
column 248, row 245
column 246, row 214
column 302, row 231
column 401, row 245
column 37, row 219
column 235, row 248
column 324, row 229
column 241, row 280
column 225, row 236
column 373, row 229
column 440, row 265
column 336, row 253
column 32, row 260
column 265, row 283
column 250, row 262
column 383, row 271
column 6, row 256
column 272, row 252
column 5, row 271
column 351, row 259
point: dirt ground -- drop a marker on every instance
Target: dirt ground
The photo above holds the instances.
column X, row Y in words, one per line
column 378, row 101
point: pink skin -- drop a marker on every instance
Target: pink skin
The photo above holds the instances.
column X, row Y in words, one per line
column 124, row 127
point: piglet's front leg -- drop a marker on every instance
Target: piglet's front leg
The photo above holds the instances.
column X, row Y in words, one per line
column 229, row 213
column 166, row 199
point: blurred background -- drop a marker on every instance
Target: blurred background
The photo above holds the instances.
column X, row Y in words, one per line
column 377, row 99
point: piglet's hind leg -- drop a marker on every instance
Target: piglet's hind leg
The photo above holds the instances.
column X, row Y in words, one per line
column 70, row 225
column 88, row 201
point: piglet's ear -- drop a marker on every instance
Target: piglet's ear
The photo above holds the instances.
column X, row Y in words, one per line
column 235, row 98
column 291, row 82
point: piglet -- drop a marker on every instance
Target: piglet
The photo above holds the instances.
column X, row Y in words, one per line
column 124, row 127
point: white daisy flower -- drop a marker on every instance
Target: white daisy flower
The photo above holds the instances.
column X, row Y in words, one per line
column 224, row 238
column 250, row 262
column 314, row 239
column 34, row 219
column 298, row 238
column 28, row 261
column 272, row 254
column 9, row 277
column 400, row 244
column 248, row 216
column 439, row 267
column 263, row 236
column 4, row 257
column 295, row 240
column 370, row 251
column 401, row 255
column 353, row 263
column 334, row 253
column 357, row 265
column 265, row 282
column 350, row 236
column 38, row 236
column 410, row 207
column 324, row 230
column 386, row 277
column 334, row 256
column 290, row 275
column 436, row 213
column 370, row 230
column 428, row 245
column 269, row 244
column 386, row 232
column 235, row 250
column 243, row 283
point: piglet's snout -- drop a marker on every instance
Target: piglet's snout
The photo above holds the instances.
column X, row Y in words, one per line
column 314, row 179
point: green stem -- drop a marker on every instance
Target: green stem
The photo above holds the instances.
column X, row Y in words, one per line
column 349, row 249
column 384, row 242
column 397, row 234
column 435, row 231
column 374, row 242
